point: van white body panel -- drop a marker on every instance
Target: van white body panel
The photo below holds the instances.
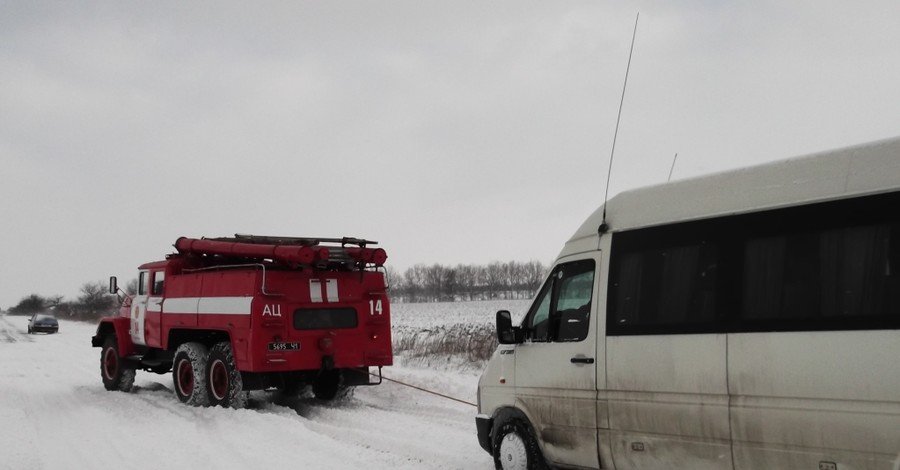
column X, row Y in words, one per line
column 795, row 394
column 668, row 392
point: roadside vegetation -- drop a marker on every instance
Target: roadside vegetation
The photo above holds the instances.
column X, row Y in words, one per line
column 457, row 346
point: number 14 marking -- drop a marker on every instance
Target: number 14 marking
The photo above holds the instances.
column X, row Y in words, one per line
column 375, row 307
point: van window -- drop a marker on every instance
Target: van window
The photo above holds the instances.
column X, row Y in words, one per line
column 539, row 321
column 832, row 273
column 666, row 286
column 826, row 266
column 561, row 311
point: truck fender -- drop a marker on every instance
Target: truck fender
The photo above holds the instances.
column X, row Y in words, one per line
column 118, row 326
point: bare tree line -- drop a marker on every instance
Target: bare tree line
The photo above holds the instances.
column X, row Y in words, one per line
column 94, row 302
column 439, row 283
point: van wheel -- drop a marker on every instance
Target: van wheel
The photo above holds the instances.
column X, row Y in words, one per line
column 116, row 376
column 223, row 380
column 515, row 447
column 189, row 374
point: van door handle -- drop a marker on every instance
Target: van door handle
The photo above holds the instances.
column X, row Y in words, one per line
column 582, row 360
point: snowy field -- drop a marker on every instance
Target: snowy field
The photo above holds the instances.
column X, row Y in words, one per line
column 55, row 413
column 424, row 316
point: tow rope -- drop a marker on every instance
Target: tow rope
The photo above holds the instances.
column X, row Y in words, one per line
column 420, row 388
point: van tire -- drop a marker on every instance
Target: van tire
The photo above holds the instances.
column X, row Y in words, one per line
column 515, row 447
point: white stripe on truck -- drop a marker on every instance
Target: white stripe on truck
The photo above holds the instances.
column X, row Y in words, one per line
column 208, row 305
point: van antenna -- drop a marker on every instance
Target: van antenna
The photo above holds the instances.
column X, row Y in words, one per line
column 603, row 227
column 673, row 167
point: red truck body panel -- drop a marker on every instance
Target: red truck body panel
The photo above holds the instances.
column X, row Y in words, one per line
column 289, row 305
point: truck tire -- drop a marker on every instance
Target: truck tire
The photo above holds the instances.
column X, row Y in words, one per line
column 329, row 385
column 515, row 447
column 189, row 374
column 223, row 380
column 291, row 387
column 116, row 375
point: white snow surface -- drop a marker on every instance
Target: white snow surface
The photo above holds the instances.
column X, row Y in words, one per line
column 55, row 414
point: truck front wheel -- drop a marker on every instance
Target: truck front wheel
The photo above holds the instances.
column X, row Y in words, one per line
column 189, row 374
column 223, row 380
column 116, row 376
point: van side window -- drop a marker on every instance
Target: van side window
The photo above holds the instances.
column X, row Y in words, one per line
column 674, row 285
column 817, row 267
column 561, row 311
column 830, row 273
column 159, row 279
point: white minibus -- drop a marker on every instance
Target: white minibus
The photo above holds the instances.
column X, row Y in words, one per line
column 746, row 320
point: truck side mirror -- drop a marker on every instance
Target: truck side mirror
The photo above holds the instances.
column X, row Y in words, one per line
column 113, row 285
column 506, row 332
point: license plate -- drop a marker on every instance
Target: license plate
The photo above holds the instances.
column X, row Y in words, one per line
column 284, row 346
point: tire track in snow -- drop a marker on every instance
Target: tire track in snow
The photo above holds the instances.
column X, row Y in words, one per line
column 404, row 430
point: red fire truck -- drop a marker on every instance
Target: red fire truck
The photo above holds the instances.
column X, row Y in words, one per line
column 228, row 315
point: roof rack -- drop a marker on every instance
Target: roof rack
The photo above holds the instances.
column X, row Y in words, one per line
column 302, row 241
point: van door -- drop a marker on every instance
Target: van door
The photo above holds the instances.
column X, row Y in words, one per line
column 556, row 379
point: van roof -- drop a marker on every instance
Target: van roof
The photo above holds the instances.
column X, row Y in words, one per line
column 857, row 170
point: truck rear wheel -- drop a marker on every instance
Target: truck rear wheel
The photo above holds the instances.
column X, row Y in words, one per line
column 116, row 376
column 223, row 380
column 329, row 385
column 189, row 374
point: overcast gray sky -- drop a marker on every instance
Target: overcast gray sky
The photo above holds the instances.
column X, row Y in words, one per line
column 451, row 132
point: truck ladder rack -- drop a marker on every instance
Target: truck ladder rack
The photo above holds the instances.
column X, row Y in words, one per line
column 302, row 241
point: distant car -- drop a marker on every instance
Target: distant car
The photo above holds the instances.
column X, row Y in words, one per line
column 41, row 322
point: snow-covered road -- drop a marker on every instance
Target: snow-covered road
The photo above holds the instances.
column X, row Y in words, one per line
column 55, row 414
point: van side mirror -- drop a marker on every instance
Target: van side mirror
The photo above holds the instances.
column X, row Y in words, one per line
column 113, row 285
column 506, row 332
